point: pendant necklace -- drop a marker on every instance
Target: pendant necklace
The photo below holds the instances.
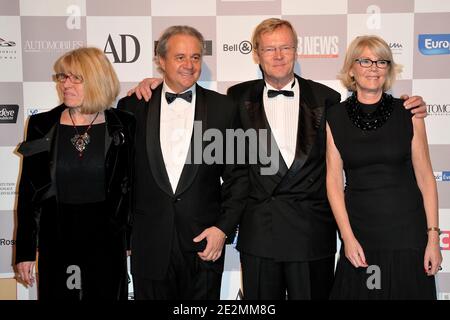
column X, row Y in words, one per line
column 80, row 141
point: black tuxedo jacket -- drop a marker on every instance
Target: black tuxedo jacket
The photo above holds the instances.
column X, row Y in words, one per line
column 199, row 202
column 288, row 217
column 37, row 208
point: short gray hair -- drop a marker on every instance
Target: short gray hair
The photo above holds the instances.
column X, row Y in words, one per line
column 380, row 48
column 161, row 47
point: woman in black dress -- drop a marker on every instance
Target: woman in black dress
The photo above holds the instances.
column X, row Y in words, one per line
column 387, row 213
column 73, row 205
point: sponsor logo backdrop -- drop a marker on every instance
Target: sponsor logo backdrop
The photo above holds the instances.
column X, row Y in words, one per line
column 34, row 33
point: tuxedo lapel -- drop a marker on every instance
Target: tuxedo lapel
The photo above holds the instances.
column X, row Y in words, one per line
column 258, row 120
column 153, row 143
column 255, row 108
column 191, row 167
column 310, row 116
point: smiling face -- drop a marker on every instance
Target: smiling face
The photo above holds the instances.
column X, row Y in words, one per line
column 368, row 80
column 182, row 62
column 278, row 67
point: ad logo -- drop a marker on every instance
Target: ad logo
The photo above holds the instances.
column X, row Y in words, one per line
column 434, row 44
column 8, row 113
column 122, row 58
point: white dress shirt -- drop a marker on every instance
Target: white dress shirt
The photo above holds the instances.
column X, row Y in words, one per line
column 176, row 126
column 282, row 115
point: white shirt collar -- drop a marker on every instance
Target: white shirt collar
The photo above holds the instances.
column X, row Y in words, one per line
column 290, row 86
column 166, row 88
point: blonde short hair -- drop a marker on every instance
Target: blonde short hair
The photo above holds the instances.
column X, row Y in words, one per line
column 270, row 25
column 380, row 48
column 101, row 86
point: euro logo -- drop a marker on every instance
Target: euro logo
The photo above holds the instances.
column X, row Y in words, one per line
column 434, row 44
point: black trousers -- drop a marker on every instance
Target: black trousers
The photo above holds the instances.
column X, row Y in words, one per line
column 187, row 278
column 86, row 259
column 267, row 279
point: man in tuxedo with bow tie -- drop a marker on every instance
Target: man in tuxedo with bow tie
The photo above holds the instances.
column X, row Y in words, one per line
column 287, row 235
column 182, row 213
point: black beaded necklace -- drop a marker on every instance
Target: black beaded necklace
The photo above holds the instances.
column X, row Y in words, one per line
column 373, row 120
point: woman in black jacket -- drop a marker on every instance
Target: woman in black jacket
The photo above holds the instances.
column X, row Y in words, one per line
column 74, row 202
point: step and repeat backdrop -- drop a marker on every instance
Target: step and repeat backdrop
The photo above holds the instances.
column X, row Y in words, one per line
column 34, row 33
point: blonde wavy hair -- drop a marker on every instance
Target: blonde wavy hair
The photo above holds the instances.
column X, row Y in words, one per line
column 101, row 86
column 380, row 48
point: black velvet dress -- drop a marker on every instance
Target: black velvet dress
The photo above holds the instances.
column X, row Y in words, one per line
column 384, row 205
column 91, row 262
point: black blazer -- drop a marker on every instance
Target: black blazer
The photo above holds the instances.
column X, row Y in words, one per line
column 288, row 216
column 199, row 202
column 37, row 201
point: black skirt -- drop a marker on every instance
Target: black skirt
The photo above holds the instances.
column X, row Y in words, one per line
column 392, row 275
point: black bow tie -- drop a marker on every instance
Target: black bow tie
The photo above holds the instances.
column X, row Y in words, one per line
column 170, row 97
column 273, row 93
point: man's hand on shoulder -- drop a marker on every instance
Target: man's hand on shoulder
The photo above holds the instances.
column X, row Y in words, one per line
column 416, row 105
column 144, row 88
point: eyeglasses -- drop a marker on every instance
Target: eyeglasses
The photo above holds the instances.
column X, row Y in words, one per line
column 270, row 51
column 62, row 77
column 367, row 63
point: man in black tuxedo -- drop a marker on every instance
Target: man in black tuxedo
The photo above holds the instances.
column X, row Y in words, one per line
column 182, row 213
column 287, row 234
